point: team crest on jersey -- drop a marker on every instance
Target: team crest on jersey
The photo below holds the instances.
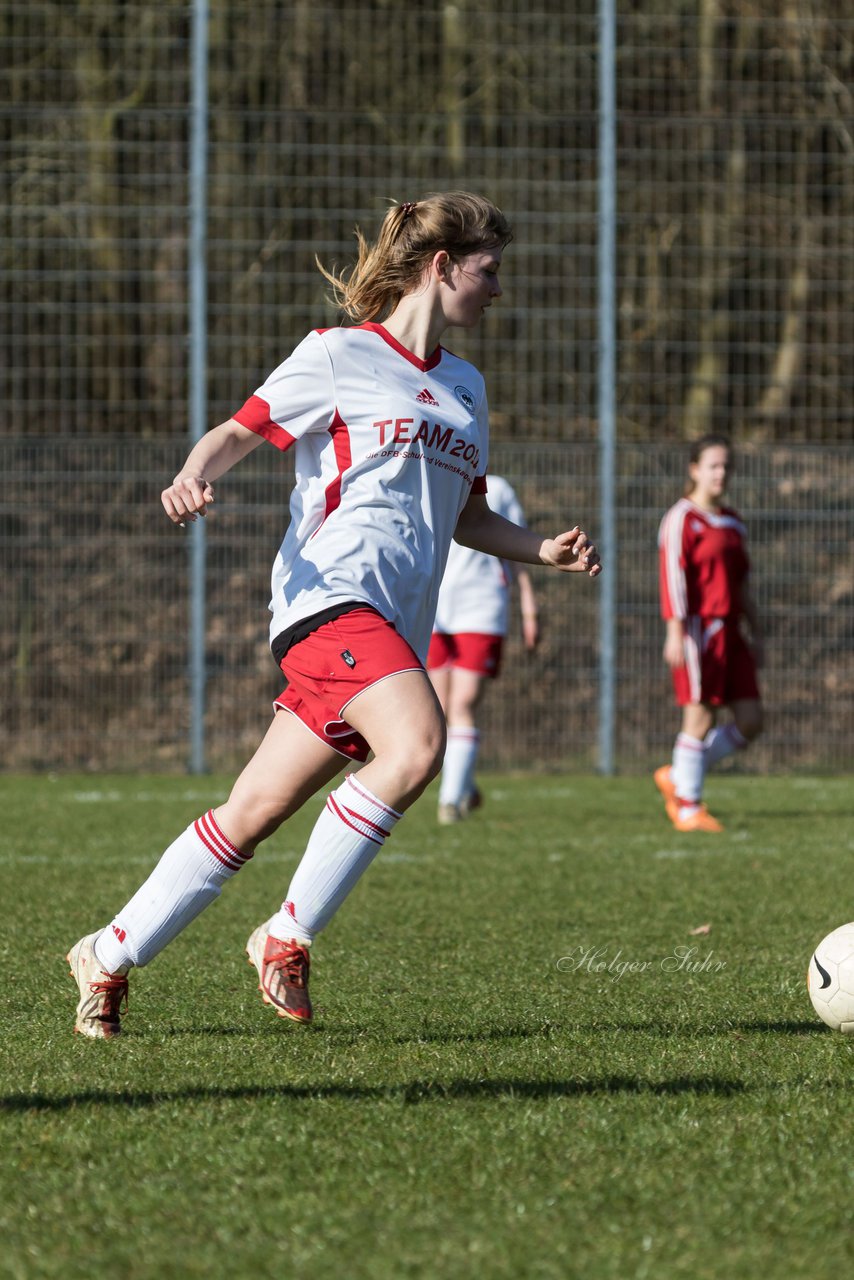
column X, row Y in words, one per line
column 465, row 398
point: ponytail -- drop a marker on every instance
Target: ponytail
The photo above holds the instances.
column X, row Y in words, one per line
column 410, row 234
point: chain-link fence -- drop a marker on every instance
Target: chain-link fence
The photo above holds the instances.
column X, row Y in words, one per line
column 735, row 254
column 94, row 658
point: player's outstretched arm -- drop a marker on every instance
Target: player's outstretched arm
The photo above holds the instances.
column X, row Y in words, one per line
column 191, row 492
column 482, row 529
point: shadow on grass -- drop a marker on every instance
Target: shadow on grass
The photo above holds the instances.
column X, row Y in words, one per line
column 355, row 1034
column 416, row 1091
column 753, row 1026
column 787, row 1027
column 488, row 1035
column 554, row 1030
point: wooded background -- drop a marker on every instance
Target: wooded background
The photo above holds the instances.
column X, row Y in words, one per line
column 735, row 257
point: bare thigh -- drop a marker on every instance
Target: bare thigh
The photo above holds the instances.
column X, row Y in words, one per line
column 697, row 719
column 440, row 678
column 401, row 719
column 466, row 690
column 290, row 765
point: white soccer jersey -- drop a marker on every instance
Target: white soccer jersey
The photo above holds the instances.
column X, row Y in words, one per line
column 387, row 450
column 475, row 591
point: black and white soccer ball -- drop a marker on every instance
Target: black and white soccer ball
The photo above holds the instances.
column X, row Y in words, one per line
column 830, row 979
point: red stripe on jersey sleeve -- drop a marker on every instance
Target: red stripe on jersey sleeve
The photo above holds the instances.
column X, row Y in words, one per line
column 479, row 484
column 255, row 414
column 671, row 565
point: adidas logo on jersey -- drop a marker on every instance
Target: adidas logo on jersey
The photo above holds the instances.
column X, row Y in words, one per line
column 425, row 397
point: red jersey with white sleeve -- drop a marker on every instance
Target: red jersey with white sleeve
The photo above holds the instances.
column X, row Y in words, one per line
column 703, row 562
column 387, row 448
column 475, row 591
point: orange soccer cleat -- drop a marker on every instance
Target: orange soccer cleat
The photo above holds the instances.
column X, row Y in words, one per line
column 700, row 820
column 664, row 781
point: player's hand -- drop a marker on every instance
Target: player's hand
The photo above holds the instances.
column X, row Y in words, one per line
column 674, row 644
column 187, row 498
column 572, row 552
column 674, row 652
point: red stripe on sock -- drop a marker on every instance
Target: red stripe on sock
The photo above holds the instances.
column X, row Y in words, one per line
column 218, row 844
column 366, row 795
column 354, row 813
column 334, row 807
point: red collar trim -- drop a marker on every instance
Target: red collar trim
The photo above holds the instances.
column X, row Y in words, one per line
column 423, row 365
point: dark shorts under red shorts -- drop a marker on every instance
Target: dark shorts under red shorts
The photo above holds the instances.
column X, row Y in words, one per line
column 468, row 651
column 332, row 665
column 719, row 665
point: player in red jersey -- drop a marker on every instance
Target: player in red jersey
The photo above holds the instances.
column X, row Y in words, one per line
column 390, row 433
column 703, row 580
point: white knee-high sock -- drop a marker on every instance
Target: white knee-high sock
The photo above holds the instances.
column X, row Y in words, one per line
column 458, row 764
column 346, row 838
column 188, row 877
column 688, row 768
column 722, row 741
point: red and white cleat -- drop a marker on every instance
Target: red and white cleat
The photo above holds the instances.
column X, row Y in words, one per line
column 283, row 970
column 101, row 993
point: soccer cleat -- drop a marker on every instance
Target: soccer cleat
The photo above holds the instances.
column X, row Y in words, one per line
column 700, row 820
column 101, row 993
column 283, row 969
column 448, row 814
column 664, row 781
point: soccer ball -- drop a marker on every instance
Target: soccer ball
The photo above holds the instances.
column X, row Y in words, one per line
column 830, row 979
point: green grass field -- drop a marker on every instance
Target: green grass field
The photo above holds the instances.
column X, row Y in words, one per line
column 478, row 1095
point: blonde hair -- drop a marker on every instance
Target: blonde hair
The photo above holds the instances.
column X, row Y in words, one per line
column 411, row 233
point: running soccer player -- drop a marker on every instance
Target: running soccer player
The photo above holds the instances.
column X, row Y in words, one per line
column 703, row 581
column 390, row 437
column 472, row 618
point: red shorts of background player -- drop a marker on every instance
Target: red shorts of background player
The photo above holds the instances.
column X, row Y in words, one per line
column 469, row 651
column 719, row 665
column 330, row 666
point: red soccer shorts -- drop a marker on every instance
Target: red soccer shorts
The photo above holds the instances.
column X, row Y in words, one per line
column 719, row 666
column 470, row 651
column 330, row 666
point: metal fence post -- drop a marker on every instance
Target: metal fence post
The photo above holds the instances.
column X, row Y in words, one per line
column 198, row 369
column 606, row 535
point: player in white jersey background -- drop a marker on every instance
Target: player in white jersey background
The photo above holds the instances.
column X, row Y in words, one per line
column 472, row 619
column 390, row 436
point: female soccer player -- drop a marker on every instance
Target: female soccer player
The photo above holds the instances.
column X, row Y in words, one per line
column 465, row 648
column 704, row 600
column 390, row 433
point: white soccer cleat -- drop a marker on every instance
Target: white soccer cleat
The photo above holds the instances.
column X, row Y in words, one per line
column 283, row 969
column 101, row 993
